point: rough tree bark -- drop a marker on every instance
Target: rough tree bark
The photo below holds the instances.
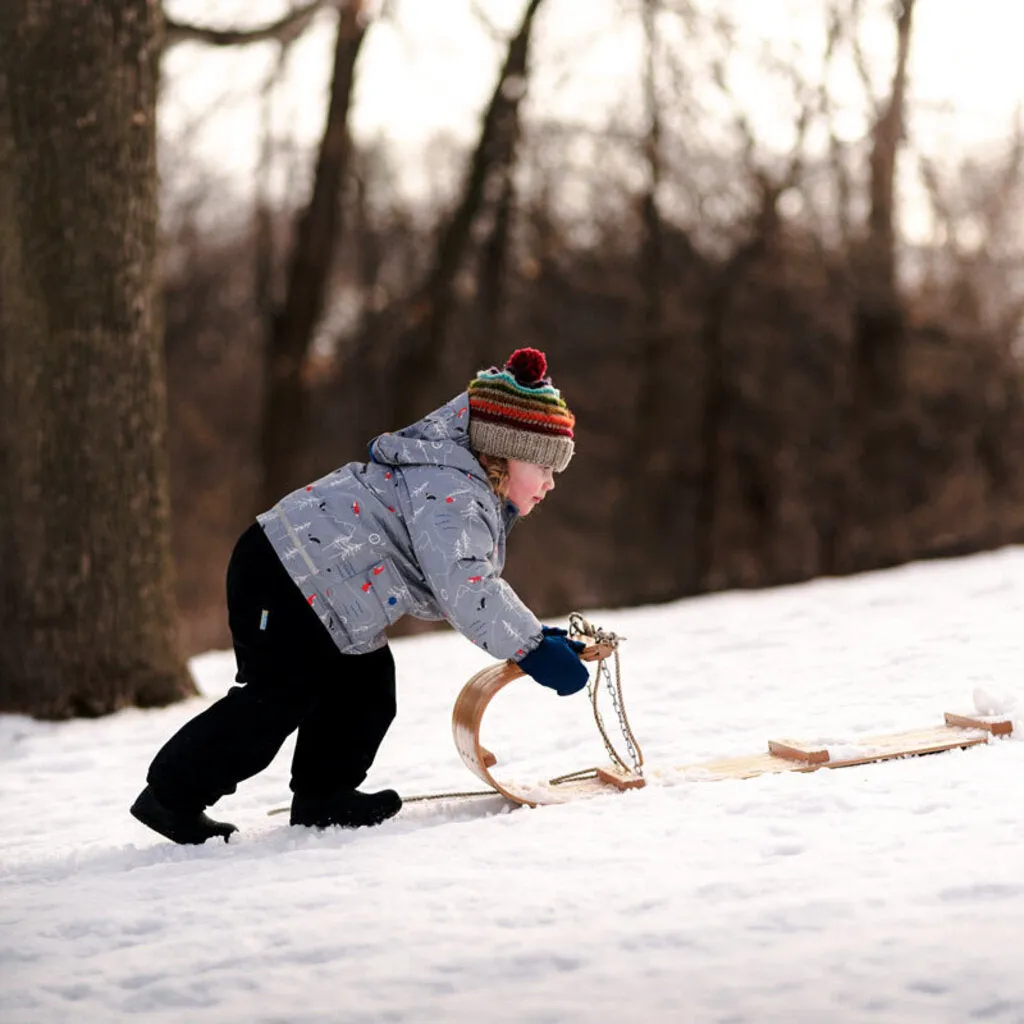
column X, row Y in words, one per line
column 87, row 610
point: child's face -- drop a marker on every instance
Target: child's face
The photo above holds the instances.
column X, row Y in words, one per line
column 528, row 484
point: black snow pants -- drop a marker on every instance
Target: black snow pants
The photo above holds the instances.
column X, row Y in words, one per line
column 292, row 677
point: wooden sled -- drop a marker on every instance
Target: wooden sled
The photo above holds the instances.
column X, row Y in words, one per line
column 959, row 731
column 468, row 714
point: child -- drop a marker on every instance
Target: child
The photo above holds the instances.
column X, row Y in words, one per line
column 313, row 584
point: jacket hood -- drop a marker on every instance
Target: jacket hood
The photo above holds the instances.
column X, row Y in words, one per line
column 441, row 438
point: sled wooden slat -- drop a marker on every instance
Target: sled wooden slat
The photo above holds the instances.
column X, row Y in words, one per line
column 611, row 776
column 865, row 750
column 467, row 716
column 791, row 750
column 546, row 793
column 996, row 726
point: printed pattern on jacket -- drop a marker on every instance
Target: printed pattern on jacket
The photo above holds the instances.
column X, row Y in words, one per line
column 416, row 531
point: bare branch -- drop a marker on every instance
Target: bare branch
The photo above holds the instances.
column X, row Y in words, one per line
column 284, row 30
column 263, row 255
column 652, row 253
column 939, row 201
column 492, row 30
column 1010, row 177
column 887, row 134
column 837, row 151
column 796, row 164
column 860, row 61
column 833, row 32
column 746, row 132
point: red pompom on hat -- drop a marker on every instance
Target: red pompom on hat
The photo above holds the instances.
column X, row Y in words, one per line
column 517, row 413
column 528, row 365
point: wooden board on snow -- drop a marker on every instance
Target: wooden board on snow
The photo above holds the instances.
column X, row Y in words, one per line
column 865, row 750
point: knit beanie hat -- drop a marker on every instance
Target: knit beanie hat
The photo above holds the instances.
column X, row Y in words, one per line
column 517, row 413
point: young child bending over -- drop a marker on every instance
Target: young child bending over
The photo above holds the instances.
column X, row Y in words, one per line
column 313, row 584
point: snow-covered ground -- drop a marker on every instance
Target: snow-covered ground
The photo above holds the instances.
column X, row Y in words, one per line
column 888, row 892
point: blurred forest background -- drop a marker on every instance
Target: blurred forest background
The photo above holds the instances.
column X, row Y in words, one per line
column 769, row 386
column 772, row 381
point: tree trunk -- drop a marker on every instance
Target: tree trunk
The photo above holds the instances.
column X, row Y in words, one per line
column 878, row 507
column 887, row 134
column 654, row 435
column 317, row 235
column 718, row 387
column 490, row 335
column 87, row 605
column 419, row 349
column 878, row 300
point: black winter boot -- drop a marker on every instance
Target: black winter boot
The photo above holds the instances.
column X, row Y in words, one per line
column 349, row 809
column 189, row 828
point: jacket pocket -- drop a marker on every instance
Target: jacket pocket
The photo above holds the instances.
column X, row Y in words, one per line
column 369, row 601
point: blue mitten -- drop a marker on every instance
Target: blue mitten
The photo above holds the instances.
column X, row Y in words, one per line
column 556, row 664
column 577, row 645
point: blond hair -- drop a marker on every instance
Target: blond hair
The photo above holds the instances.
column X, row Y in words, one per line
column 496, row 468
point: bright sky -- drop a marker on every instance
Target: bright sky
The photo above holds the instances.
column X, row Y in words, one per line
column 889, row 893
column 431, row 69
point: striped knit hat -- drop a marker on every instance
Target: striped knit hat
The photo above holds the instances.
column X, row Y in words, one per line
column 517, row 413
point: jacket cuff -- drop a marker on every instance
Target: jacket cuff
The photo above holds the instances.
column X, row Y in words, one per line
column 528, row 647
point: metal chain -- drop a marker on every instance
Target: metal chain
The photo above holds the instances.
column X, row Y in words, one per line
column 580, row 627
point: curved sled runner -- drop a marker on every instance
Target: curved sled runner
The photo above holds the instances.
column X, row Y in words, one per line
column 467, row 716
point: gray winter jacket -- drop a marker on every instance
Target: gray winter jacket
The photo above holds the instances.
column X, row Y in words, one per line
column 417, row 531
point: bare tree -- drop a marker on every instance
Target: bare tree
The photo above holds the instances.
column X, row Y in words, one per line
column 655, row 456
column 654, row 414
column 880, row 331
column 719, row 372
column 877, row 266
column 290, row 323
column 86, row 591
column 490, row 171
column 493, row 271
column 317, row 234
column 979, row 247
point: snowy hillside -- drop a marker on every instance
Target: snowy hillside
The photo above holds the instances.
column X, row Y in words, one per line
column 890, row 892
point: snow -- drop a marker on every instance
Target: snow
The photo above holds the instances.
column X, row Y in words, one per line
column 885, row 892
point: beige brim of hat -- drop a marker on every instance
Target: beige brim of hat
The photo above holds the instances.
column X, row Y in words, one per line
column 523, row 445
